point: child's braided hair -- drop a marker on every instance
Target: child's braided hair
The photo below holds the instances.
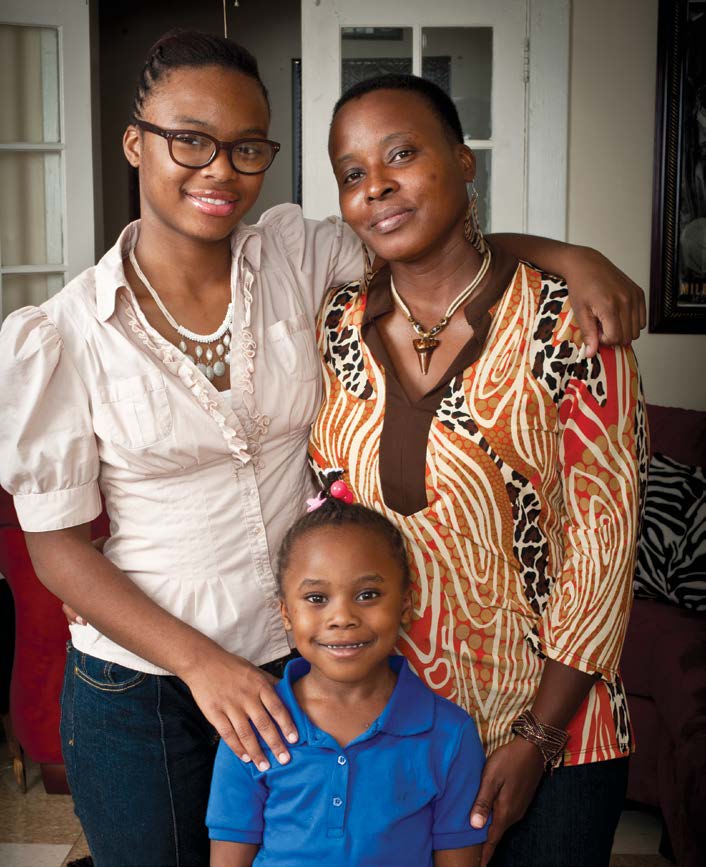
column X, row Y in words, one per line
column 336, row 513
column 179, row 48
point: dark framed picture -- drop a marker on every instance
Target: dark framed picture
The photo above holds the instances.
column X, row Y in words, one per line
column 678, row 273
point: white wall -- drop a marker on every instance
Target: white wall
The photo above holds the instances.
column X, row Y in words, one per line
column 611, row 142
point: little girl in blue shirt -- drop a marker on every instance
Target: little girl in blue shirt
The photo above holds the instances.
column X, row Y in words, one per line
column 385, row 771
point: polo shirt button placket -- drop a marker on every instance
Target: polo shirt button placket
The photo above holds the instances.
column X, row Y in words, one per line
column 337, row 810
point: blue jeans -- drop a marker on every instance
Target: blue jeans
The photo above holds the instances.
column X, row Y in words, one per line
column 571, row 821
column 139, row 755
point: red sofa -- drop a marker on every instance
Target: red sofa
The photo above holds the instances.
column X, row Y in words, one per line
column 41, row 633
column 664, row 671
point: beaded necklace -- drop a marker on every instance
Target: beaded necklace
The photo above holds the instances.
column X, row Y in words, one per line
column 209, row 364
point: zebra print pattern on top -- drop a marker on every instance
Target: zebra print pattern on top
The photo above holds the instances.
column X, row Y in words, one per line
column 671, row 562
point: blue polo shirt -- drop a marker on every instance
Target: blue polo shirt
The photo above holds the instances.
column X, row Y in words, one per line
column 397, row 792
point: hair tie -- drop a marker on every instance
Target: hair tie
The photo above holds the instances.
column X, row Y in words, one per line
column 334, row 489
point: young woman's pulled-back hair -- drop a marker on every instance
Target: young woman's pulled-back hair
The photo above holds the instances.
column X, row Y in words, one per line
column 180, row 48
column 336, row 513
column 439, row 101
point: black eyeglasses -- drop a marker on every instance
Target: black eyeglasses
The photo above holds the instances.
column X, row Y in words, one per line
column 195, row 150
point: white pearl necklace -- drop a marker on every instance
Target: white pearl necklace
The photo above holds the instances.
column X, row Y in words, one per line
column 204, row 361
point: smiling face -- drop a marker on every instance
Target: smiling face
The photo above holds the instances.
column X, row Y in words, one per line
column 344, row 599
column 207, row 203
column 401, row 178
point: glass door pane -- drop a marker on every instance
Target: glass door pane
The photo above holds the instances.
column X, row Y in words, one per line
column 370, row 51
column 19, row 290
column 460, row 61
column 31, row 166
column 29, row 84
column 31, row 213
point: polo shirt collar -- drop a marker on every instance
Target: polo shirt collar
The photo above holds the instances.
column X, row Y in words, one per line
column 409, row 711
column 246, row 241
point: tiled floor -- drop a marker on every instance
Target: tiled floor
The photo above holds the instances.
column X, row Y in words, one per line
column 36, row 829
column 40, row 830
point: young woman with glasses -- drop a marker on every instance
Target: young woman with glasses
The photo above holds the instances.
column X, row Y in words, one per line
column 178, row 379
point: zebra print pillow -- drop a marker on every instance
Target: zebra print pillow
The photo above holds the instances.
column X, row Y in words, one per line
column 671, row 557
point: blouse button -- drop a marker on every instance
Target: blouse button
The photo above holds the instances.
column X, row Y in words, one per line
column 341, row 760
column 337, row 802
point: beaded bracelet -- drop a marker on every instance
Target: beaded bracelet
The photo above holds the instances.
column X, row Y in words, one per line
column 550, row 741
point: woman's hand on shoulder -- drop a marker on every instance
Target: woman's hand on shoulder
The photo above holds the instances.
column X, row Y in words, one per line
column 609, row 307
column 507, row 787
column 237, row 698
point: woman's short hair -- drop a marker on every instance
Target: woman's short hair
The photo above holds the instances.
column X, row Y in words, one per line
column 183, row 48
column 441, row 103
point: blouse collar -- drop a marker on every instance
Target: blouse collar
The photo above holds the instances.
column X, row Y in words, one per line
column 246, row 241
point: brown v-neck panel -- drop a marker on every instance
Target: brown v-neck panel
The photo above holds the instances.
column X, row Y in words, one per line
column 405, row 430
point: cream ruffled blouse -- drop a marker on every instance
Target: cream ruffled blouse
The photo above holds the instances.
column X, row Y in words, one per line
column 200, row 486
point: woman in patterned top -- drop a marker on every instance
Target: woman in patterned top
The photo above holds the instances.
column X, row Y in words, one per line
column 474, row 420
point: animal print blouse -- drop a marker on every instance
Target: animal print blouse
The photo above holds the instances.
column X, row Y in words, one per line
column 534, row 472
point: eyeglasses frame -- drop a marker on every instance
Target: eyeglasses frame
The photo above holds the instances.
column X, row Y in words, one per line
column 171, row 134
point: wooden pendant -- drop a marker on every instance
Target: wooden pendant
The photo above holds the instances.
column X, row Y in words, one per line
column 424, row 347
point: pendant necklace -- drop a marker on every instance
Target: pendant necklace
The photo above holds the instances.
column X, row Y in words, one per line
column 426, row 342
column 209, row 364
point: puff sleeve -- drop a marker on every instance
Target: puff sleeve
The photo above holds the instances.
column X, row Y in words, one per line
column 48, row 451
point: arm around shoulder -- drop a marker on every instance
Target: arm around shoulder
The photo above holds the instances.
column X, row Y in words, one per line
column 327, row 251
column 608, row 305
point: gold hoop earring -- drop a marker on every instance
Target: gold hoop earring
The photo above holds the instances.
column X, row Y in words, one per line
column 471, row 225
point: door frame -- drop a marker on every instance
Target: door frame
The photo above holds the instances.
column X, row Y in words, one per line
column 72, row 20
column 549, row 28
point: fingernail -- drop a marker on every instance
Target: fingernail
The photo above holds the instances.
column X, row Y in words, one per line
column 477, row 821
column 263, row 766
column 292, row 738
column 283, row 758
column 245, row 758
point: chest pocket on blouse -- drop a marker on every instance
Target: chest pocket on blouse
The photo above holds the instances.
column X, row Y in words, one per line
column 134, row 412
column 294, row 344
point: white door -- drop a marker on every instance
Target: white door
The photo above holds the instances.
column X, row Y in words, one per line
column 46, row 166
column 479, row 52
